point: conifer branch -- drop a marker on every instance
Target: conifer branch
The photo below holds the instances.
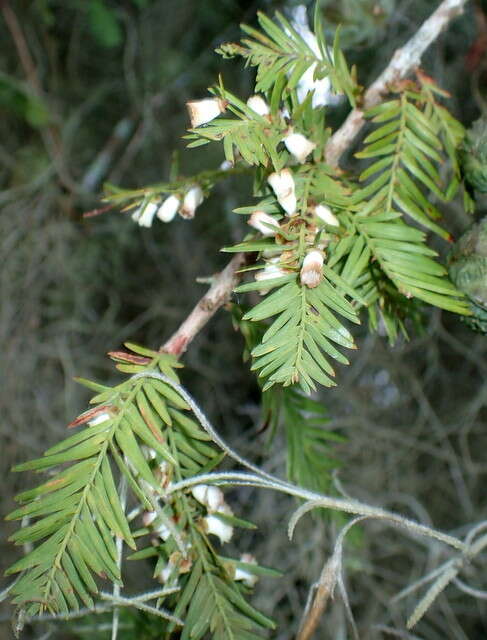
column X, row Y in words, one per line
column 329, row 247
column 403, row 62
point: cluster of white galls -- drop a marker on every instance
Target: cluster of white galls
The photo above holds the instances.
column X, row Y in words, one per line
column 283, row 185
column 166, row 211
column 282, row 182
column 312, row 266
column 202, row 112
column 212, row 498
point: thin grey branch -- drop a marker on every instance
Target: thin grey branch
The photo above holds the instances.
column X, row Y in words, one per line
column 137, row 604
column 471, row 591
column 266, row 480
column 111, row 602
column 404, row 61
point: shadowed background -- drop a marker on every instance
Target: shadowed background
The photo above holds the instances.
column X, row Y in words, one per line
column 95, row 91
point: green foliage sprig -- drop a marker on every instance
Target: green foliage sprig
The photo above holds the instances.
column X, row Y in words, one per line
column 407, row 147
column 284, row 53
column 374, row 254
column 302, row 420
column 142, row 428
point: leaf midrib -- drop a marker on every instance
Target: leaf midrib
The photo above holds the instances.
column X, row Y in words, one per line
column 86, row 490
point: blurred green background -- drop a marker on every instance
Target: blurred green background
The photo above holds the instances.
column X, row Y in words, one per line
column 95, row 90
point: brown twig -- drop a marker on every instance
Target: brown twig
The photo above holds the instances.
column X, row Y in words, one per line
column 99, row 210
column 403, row 62
column 216, row 296
column 316, row 610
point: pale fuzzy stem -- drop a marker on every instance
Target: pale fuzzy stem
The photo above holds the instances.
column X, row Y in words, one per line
column 433, row 592
column 266, row 480
column 479, row 546
column 137, row 604
column 481, row 526
column 361, row 509
column 4, row 593
column 205, row 423
column 104, row 608
column 480, row 594
column 317, row 500
column 403, row 62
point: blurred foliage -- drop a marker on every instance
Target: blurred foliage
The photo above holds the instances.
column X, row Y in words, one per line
column 468, row 269
column 74, row 288
column 17, row 99
column 474, row 156
column 363, row 21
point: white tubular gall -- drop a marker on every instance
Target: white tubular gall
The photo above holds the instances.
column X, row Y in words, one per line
column 192, row 200
column 259, row 105
column 312, row 269
column 263, row 222
column 299, row 146
column 325, row 214
column 168, row 208
column 282, row 183
column 144, row 215
column 204, row 111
